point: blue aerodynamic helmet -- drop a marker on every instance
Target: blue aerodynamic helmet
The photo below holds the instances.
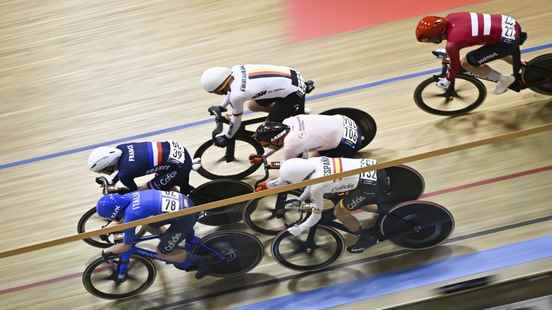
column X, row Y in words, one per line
column 112, row 206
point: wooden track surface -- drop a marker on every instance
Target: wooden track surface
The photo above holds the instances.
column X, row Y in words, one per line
column 80, row 73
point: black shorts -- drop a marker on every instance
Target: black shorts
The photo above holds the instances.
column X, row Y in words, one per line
column 367, row 193
column 490, row 52
column 180, row 229
column 282, row 108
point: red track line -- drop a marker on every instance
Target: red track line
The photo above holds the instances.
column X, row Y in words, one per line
column 435, row 193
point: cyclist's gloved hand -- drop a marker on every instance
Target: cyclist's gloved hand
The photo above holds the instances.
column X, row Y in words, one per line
column 255, row 159
column 221, row 141
column 295, row 230
column 196, row 164
column 261, row 186
column 443, row 83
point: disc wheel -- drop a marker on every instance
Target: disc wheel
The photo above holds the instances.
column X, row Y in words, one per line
column 417, row 224
column 538, row 74
column 241, row 251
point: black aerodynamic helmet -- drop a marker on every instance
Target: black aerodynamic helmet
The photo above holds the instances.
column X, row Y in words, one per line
column 270, row 131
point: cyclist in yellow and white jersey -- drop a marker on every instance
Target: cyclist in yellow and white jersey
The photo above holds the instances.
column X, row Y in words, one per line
column 372, row 187
column 278, row 90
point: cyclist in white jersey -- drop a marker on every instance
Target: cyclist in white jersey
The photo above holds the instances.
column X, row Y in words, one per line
column 278, row 90
column 372, row 187
column 311, row 135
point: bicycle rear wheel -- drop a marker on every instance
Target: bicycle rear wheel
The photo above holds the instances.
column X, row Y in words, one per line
column 99, row 278
column 242, row 252
column 316, row 250
column 363, row 120
column 215, row 163
column 469, row 93
column 271, row 214
column 538, row 74
column 218, row 190
column 417, row 224
column 406, row 183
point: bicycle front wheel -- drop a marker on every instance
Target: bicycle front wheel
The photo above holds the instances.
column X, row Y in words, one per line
column 100, row 277
column 417, row 224
column 231, row 162
column 315, row 250
column 271, row 214
column 469, row 93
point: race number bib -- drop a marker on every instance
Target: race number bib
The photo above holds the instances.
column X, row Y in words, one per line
column 170, row 202
column 508, row 28
column 177, row 152
column 370, row 176
column 350, row 132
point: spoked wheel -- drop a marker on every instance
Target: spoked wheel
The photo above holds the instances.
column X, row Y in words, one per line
column 100, row 277
column 538, row 74
column 229, row 162
column 92, row 221
column 218, row 190
column 406, row 183
column 315, row 250
column 417, row 224
column 468, row 94
column 241, row 251
column 365, row 121
column 271, row 214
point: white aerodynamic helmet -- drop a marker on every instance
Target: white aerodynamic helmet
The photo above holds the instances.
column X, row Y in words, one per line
column 103, row 157
column 213, row 78
column 295, row 170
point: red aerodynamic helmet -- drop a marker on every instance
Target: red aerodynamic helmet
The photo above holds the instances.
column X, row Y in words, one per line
column 431, row 29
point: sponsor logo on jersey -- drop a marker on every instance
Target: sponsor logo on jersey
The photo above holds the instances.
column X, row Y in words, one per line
column 131, row 154
column 243, row 78
column 168, row 178
column 172, row 242
column 135, row 200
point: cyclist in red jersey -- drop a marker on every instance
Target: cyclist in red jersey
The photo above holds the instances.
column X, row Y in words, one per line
column 500, row 36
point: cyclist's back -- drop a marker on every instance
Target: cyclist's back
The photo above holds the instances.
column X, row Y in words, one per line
column 153, row 202
column 312, row 133
column 143, row 158
column 468, row 29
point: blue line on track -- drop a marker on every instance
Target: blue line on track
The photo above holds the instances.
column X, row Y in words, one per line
column 394, row 282
column 207, row 120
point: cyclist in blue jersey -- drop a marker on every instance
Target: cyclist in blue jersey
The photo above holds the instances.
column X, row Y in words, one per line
column 169, row 160
column 141, row 204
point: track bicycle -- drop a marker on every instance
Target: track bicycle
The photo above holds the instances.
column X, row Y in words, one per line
column 235, row 157
column 413, row 224
column 207, row 192
column 271, row 214
column 467, row 92
column 120, row 276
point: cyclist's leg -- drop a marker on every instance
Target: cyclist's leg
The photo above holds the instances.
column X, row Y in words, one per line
column 476, row 62
column 364, row 194
column 293, row 104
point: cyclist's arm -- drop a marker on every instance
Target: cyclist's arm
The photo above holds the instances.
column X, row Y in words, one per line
column 317, row 200
column 128, row 182
column 236, row 104
column 453, row 51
